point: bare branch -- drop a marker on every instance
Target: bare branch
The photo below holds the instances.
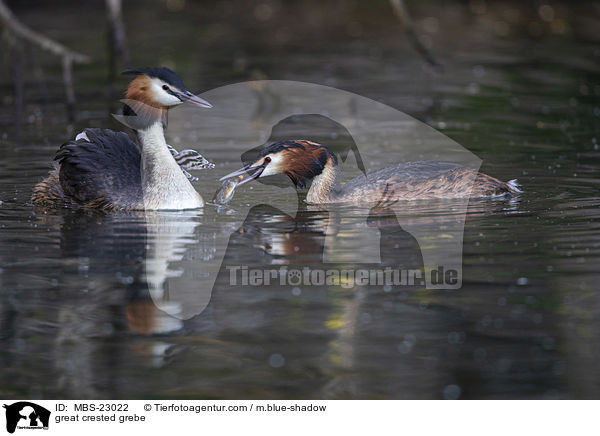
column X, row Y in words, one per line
column 45, row 43
column 403, row 15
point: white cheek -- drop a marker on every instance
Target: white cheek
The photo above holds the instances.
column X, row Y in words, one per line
column 170, row 100
column 274, row 167
column 161, row 96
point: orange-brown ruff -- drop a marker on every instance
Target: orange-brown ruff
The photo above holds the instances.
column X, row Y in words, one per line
column 138, row 90
column 303, row 160
column 140, row 98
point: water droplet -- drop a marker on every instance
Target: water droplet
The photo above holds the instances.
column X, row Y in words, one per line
column 452, row 392
column 276, row 360
column 522, row 281
column 478, row 71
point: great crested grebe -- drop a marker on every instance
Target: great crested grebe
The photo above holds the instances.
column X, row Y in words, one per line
column 103, row 169
column 303, row 160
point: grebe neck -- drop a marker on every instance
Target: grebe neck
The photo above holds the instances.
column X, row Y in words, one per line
column 164, row 185
column 324, row 186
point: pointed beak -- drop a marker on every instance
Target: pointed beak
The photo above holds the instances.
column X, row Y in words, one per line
column 188, row 97
column 252, row 171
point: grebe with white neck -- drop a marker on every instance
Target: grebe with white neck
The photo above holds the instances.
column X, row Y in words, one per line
column 103, row 169
column 303, row 161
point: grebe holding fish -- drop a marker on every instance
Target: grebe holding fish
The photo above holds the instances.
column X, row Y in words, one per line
column 303, row 161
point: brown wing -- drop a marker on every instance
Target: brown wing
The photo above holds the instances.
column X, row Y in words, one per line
column 423, row 180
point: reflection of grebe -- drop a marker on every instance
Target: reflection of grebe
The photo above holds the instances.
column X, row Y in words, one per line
column 303, row 160
column 103, row 169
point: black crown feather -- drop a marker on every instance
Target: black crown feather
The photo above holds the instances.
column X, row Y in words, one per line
column 162, row 73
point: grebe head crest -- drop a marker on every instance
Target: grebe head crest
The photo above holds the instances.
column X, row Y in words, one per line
column 160, row 88
column 300, row 160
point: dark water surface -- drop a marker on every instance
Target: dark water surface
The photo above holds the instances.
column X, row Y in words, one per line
column 519, row 90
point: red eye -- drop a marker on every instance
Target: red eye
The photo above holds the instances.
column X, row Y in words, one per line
column 267, row 159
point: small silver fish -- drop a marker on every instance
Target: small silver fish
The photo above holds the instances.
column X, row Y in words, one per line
column 225, row 193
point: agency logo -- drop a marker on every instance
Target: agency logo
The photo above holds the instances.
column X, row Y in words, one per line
column 26, row 416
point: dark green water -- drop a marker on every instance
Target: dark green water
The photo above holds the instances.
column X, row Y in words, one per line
column 76, row 316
